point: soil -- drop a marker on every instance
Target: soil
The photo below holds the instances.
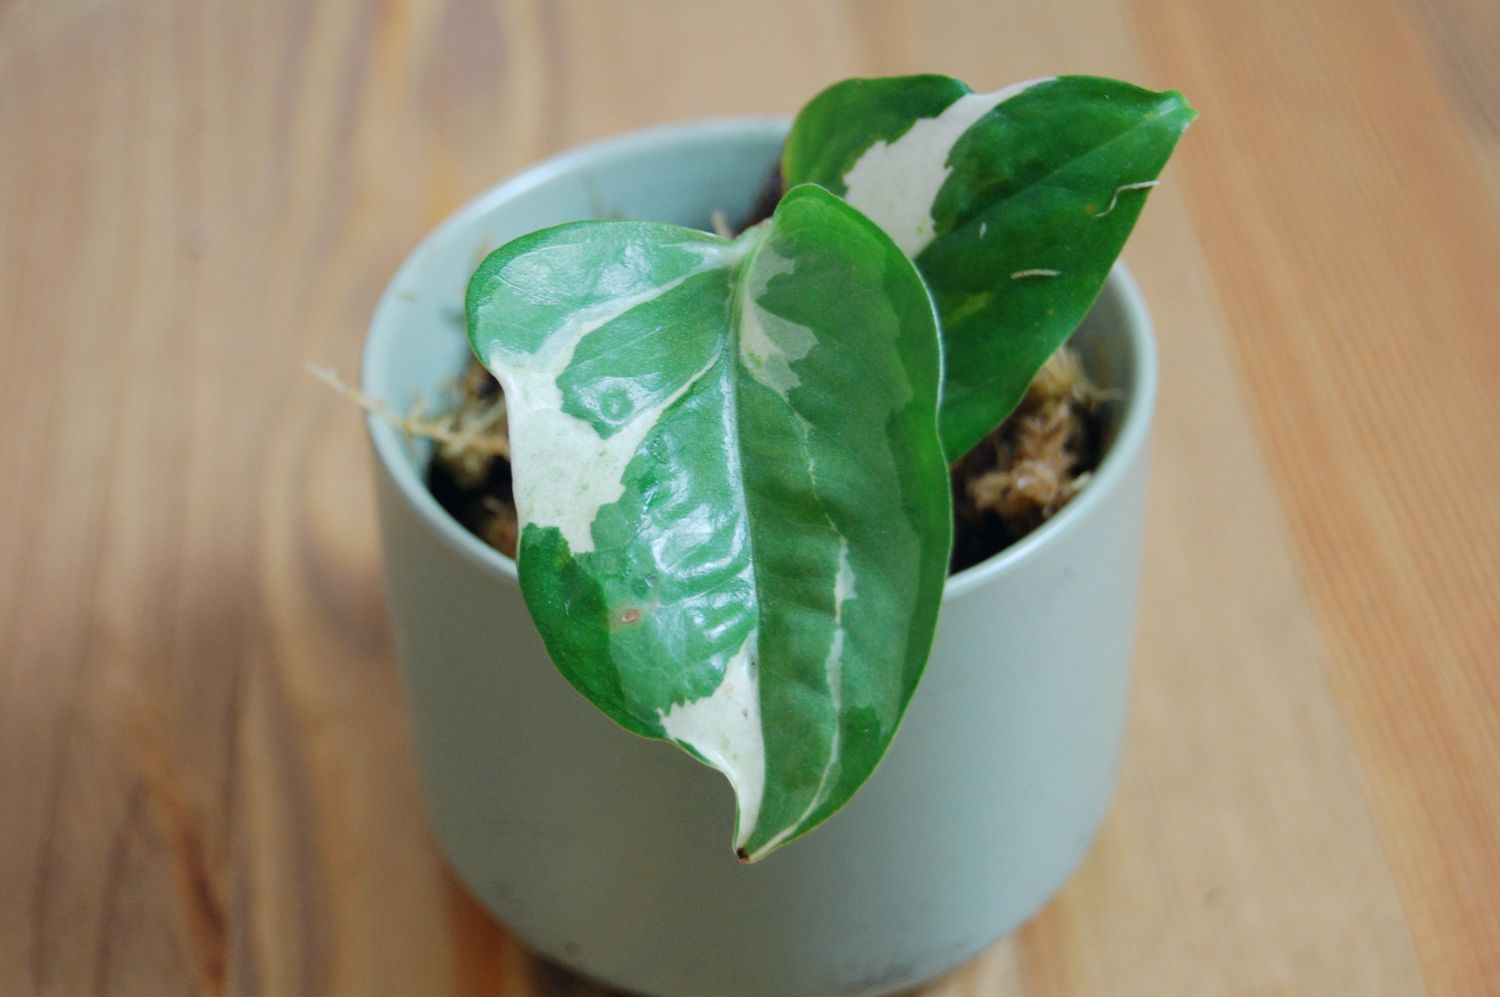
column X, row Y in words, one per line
column 1013, row 481
column 1020, row 475
column 472, row 484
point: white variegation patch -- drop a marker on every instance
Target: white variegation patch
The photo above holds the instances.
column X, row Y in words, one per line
column 725, row 728
column 833, row 670
column 565, row 472
column 895, row 183
column 769, row 344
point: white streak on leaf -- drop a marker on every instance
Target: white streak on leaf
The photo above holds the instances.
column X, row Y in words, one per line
column 833, row 670
column 724, row 727
column 769, row 344
column 564, row 471
column 1115, row 198
column 895, row 183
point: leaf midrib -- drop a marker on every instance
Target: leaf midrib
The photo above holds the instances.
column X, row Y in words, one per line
column 738, row 303
column 739, row 281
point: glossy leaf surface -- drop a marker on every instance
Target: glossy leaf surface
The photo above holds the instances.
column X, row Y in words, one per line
column 1014, row 205
column 734, row 502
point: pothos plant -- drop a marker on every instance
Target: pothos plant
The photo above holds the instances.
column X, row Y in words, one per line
column 730, row 455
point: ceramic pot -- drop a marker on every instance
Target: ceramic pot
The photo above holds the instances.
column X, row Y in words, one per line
column 611, row 853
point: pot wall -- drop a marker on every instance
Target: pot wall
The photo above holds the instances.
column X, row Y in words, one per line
column 611, row 853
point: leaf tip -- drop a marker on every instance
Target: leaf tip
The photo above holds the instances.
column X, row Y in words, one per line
column 1180, row 104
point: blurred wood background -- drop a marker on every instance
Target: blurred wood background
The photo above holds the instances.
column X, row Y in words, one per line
column 205, row 776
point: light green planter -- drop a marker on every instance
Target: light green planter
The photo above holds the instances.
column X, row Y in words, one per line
column 610, row 853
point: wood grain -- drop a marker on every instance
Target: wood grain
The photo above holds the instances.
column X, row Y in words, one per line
column 205, row 776
column 1377, row 406
column 1462, row 40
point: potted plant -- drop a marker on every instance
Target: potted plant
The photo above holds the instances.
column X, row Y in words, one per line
column 731, row 462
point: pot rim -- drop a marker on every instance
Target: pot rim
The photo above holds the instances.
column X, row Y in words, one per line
column 391, row 451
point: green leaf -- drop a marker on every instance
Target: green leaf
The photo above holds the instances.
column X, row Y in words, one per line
column 1014, row 205
column 734, row 502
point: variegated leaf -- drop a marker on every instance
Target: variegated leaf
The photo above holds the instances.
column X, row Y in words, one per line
column 1014, row 205
column 734, row 503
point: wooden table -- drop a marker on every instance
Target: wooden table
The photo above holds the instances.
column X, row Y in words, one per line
column 205, row 775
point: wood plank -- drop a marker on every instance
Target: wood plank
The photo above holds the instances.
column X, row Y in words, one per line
column 78, row 853
column 177, row 814
column 1357, row 249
